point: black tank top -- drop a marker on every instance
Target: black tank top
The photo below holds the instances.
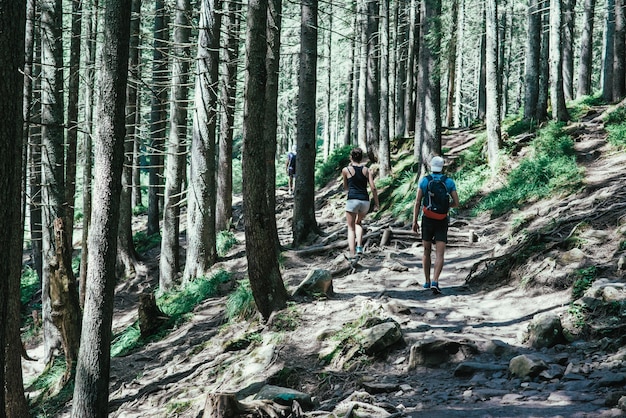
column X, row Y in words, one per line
column 357, row 185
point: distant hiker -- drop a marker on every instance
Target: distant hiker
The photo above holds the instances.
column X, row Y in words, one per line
column 356, row 177
column 291, row 168
column 433, row 200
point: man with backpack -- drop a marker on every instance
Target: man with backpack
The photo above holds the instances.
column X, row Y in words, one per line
column 291, row 168
column 433, row 199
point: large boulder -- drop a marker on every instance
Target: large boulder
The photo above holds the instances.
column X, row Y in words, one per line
column 545, row 330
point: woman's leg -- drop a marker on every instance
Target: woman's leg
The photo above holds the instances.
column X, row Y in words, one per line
column 358, row 229
column 351, row 219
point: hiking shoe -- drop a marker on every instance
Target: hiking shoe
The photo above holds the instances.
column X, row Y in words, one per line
column 426, row 285
column 435, row 288
column 359, row 250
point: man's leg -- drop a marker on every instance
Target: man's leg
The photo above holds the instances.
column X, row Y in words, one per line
column 351, row 219
column 440, row 250
column 426, row 260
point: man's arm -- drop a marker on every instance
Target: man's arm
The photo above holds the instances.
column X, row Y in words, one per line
column 455, row 199
column 416, row 209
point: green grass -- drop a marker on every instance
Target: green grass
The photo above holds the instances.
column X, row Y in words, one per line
column 177, row 304
column 240, row 303
column 584, row 279
column 617, row 135
column 144, row 242
column 29, row 284
column 51, row 400
column 225, row 241
column 328, row 170
column 550, row 169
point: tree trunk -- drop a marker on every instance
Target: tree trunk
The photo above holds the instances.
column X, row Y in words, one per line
column 608, row 55
column 452, row 56
column 66, row 314
column 384, row 153
column 372, row 90
column 228, row 88
column 272, row 59
column 544, row 61
column 91, row 390
column 304, row 223
column 91, row 29
column 53, row 190
column 12, row 22
column 72, row 116
column 586, row 50
column 158, row 112
column 567, row 33
column 401, row 59
column 413, row 51
column 349, row 112
column 328, row 137
column 533, row 54
column 361, row 121
column 176, row 148
column 459, row 66
column 428, row 121
column 481, row 108
column 263, row 270
column 619, row 62
column 127, row 257
column 557, row 95
column 201, row 199
column 492, row 88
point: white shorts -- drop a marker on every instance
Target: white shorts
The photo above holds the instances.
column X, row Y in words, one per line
column 357, row 206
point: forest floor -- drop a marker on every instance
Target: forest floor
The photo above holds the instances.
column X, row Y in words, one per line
column 172, row 376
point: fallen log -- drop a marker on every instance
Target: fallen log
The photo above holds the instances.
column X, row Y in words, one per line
column 453, row 234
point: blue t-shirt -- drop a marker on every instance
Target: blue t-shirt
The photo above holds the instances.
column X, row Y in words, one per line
column 423, row 184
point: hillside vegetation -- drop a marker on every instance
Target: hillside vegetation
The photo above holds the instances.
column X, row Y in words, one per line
column 546, row 236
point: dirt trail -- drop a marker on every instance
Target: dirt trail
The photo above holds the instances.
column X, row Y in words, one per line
column 171, row 377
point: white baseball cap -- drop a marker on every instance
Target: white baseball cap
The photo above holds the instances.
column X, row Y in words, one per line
column 436, row 164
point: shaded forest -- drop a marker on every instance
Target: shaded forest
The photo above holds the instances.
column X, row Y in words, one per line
column 168, row 109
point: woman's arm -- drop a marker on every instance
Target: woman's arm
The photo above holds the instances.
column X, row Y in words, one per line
column 373, row 188
column 344, row 175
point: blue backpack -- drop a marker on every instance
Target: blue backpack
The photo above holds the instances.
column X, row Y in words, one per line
column 437, row 198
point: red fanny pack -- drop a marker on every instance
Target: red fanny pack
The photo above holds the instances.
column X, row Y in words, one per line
column 434, row 215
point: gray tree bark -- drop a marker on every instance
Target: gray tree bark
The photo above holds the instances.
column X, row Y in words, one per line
column 91, row 29
column 127, row 257
column 492, row 88
column 52, row 166
column 557, row 94
column 384, row 152
column 400, row 48
column 585, row 68
column 569, row 22
column 228, row 89
column 619, row 60
column 201, row 193
column 91, row 390
column 304, row 223
column 372, row 87
column 175, row 163
column 608, row 55
column 263, row 270
column 158, row 112
column 428, row 120
column 12, row 35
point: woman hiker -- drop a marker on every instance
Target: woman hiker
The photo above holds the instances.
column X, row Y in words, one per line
column 356, row 177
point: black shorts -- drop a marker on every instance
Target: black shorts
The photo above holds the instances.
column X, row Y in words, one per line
column 434, row 230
